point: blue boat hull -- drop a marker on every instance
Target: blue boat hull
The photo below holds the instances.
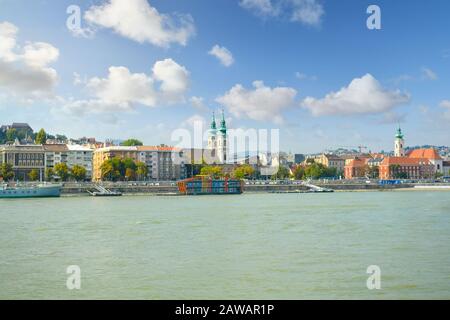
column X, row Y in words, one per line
column 31, row 192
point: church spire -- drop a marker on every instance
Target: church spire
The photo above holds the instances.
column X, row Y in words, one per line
column 223, row 125
column 213, row 122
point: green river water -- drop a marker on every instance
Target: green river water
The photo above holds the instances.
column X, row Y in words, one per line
column 250, row 246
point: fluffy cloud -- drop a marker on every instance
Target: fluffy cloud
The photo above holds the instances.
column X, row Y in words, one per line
column 121, row 90
column 223, row 54
column 308, row 12
column 362, row 96
column 139, row 21
column 198, row 103
column 261, row 103
column 260, row 7
column 24, row 70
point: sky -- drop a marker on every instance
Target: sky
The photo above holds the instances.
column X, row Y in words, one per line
column 310, row 68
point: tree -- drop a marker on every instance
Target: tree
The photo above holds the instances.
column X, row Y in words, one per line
column 78, row 173
column 212, row 171
column 107, row 170
column 282, row 173
column 130, row 174
column 11, row 134
column 7, row 171
column 33, row 175
column 315, row 171
column 372, row 172
column 299, row 172
column 141, row 170
column 131, row 142
column 243, row 171
column 62, row 171
column 49, row 173
column 41, row 137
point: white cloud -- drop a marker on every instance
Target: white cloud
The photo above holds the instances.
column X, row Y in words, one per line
column 139, row 21
column 363, row 96
column 260, row 7
column 121, row 90
column 198, row 103
column 308, row 12
column 223, row 54
column 196, row 119
column 446, row 105
column 24, row 70
column 429, row 74
column 304, row 76
column 174, row 80
column 261, row 103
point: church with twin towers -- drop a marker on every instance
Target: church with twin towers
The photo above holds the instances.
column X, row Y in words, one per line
column 217, row 139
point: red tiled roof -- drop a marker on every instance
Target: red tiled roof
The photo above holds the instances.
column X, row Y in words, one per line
column 431, row 154
column 405, row 161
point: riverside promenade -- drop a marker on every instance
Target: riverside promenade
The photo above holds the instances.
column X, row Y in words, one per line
column 170, row 187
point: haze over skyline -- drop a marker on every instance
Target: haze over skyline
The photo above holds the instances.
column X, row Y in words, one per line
column 311, row 68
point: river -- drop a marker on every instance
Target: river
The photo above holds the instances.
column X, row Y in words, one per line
column 250, row 246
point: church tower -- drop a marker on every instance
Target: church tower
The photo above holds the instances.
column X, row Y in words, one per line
column 222, row 141
column 212, row 135
column 399, row 150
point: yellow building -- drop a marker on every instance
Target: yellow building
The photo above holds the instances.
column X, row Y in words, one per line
column 103, row 154
column 329, row 161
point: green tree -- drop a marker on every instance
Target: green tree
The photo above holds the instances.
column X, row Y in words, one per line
column 41, row 137
column 131, row 142
column 62, row 171
column 11, row 135
column 33, row 175
column 315, row 171
column 107, row 170
column 141, row 170
column 372, row 172
column 78, row 173
column 49, row 173
column 243, row 171
column 213, row 171
column 282, row 173
column 7, row 171
column 130, row 174
column 299, row 173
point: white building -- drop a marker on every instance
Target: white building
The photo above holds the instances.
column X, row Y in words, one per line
column 81, row 156
column 399, row 150
column 163, row 162
column 217, row 141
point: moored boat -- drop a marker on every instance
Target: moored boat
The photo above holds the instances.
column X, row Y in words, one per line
column 202, row 185
column 30, row 191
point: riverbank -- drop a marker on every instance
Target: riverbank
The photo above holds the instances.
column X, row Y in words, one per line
column 170, row 188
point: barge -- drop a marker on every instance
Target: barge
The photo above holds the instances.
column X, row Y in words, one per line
column 202, row 185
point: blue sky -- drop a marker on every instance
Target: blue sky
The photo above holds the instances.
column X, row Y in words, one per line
column 308, row 67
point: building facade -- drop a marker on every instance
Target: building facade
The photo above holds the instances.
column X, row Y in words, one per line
column 432, row 155
column 399, row 144
column 80, row 156
column 163, row 162
column 217, row 141
column 23, row 159
column 411, row 168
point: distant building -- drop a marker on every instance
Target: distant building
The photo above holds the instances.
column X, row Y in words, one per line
column 299, row 158
column 81, row 156
column 446, row 168
column 432, row 155
column 55, row 154
column 399, row 145
column 23, row 159
column 412, row 168
column 329, row 161
column 163, row 162
column 217, row 141
column 356, row 168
